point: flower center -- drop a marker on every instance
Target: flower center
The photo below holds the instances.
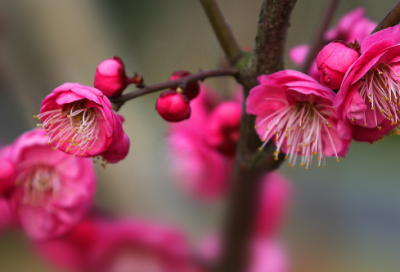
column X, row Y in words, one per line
column 380, row 91
column 39, row 184
column 74, row 127
column 301, row 129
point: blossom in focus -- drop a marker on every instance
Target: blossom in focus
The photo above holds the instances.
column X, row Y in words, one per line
column 80, row 121
column 274, row 199
column 198, row 168
column 333, row 61
column 351, row 27
column 173, row 106
column 296, row 112
column 191, row 89
column 222, row 132
column 110, row 77
column 52, row 191
column 369, row 95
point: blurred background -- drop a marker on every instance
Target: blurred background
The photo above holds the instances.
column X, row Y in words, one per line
column 342, row 218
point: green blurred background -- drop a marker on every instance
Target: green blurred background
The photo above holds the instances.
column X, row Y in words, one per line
column 343, row 218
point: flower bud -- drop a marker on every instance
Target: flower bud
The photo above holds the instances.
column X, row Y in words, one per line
column 223, row 128
column 192, row 89
column 110, row 77
column 333, row 62
column 173, row 106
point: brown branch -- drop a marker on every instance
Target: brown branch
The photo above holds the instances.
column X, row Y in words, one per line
column 392, row 19
column 222, row 30
column 175, row 83
column 251, row 164
column 318, row 40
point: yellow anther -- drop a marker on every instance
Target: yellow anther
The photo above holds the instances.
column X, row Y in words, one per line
column 337, row 160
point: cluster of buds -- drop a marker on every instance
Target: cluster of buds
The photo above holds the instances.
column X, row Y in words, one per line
column 174, row 105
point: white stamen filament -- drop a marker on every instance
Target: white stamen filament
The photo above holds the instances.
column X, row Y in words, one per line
column 73, row 124
column 301, row 126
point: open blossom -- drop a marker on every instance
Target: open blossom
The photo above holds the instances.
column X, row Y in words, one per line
column 296, row 112
column 137, row 246
column 198, row 168
column 369, row 95
column 119, row 245
column 351, row 27
column 80, row 121
column 52, row 191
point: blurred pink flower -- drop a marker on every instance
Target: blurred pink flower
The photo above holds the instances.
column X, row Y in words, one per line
column 5, row 215
column 201, row 170
column 80, row 121
column 296, row 112
column 273, row 201
column 110, row 77
column 140, row 246
column 222, row 132
column 52, row 190
column 333, row 61
column 266, row 255
column 369, row 95
column 7, row 173
column 350, row 27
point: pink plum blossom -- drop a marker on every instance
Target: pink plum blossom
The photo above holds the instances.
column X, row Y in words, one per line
column 199, row 169
column 138, row 246
column 369, row 95
column 6, row 219
column 173, row 106
column 191, row 89
column 273, row 202
column 351, row 27
column 80, row 121
column 296, row 112
column 333, row 61
column 222, row 132
column 52, row 190
column 110, row 77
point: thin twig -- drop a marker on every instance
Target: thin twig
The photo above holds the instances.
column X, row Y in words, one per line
column 222, row 30
column 175, row 83
column 318, row 40
column 392, row 19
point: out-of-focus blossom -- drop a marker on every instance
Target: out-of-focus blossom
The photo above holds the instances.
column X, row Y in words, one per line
column 5, row 214
column 52, row 190
column 223, row 127
column 80, row 121
column 7, row 171
column 173, row 106
column 351, row 27
column 110, row 77
column 369, row 95
column 266, row 255
column 192, row 89
column 198, row 168
column 120, row 245
column 296, row 112
column 273, row 201
column 333, row 61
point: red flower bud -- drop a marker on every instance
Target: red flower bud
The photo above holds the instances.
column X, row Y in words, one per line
column 110, row 77
column 192, row 89
column 173, row 106
column 333, row 62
